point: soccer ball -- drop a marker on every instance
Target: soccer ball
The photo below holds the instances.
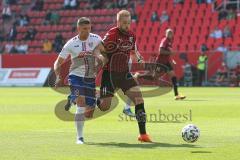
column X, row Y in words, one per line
column 190, row 133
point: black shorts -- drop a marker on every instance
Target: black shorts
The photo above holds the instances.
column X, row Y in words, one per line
column 111, row 81
column 167, row 67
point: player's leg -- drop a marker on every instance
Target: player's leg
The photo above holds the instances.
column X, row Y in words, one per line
column 133, row 92
column 173, row 77
column 81, row 91
column 90, row 96
column 147, row 76
column 127, row 108
column 85, row 110
column 135, row 95
column 106, row 92
column 79, row 122
column 69, row 103
column 200, row 77
column 75, row 83
column 79, row 115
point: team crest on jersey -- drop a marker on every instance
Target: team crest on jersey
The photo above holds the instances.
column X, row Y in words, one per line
column 90, row 44
column 131, row 39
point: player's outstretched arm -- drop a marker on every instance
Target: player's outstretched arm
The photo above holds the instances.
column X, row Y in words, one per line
column 100, row 54
column 137, row 54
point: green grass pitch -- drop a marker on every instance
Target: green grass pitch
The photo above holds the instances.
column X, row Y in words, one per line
column 29, row 129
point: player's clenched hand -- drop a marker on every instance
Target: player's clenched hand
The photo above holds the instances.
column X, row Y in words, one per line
column 173, row 62
column 59, row 82
column 141, row 62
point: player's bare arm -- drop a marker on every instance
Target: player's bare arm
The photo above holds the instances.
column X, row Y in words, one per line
column 57, row 69
column 100, row 53
column 137, row 55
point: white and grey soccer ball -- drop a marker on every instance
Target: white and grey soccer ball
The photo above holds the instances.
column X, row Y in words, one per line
column 190, row 133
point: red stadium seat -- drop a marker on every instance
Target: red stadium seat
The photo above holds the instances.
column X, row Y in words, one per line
column 51, row 35
column 191, row 22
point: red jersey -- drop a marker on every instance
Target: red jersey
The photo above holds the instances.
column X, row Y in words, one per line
column 118, row 45
column 166, row 44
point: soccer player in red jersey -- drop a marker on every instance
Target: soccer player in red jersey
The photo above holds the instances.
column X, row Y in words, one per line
column 164, row 60
column 119, row 43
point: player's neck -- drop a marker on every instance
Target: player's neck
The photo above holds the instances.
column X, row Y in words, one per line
column 170, row 38
column 83, row 38
column 122, row 31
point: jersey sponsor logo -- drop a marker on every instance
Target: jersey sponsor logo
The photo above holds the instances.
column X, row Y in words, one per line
column 83, row 54
column 112, row 46
column 125, row 45
column 76, row 46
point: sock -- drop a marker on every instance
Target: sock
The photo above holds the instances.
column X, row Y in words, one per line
column 128, row 103
column 175, row 87
column 79, row 121
column 141, row 118
column 98, row 102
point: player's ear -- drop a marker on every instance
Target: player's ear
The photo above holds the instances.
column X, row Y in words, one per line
column 78, row 28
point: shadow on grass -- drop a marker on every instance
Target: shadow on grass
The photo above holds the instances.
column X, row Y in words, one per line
column 142, row 145
column 166, row 122
column 201, row 152
column 195, row 100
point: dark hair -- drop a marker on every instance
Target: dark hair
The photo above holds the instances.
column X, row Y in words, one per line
column 83, row 20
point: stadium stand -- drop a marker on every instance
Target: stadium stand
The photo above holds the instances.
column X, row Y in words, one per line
column 192, row 23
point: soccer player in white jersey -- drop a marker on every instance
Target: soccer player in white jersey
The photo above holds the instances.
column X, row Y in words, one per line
column 85, row 50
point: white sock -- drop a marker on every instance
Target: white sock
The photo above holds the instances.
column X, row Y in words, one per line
column 79, row 121
column 128, row 103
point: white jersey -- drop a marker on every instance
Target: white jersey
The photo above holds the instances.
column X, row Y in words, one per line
column 81, row 52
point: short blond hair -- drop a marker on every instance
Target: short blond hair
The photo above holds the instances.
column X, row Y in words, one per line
column 123, row 13
column 169, row 30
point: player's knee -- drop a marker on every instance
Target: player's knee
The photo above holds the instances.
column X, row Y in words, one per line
column 172, row 74
column 104, row 108
column 81, row 101
column 89, row 113
column 135, row 95
column 105, row 104
column 138, row 100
